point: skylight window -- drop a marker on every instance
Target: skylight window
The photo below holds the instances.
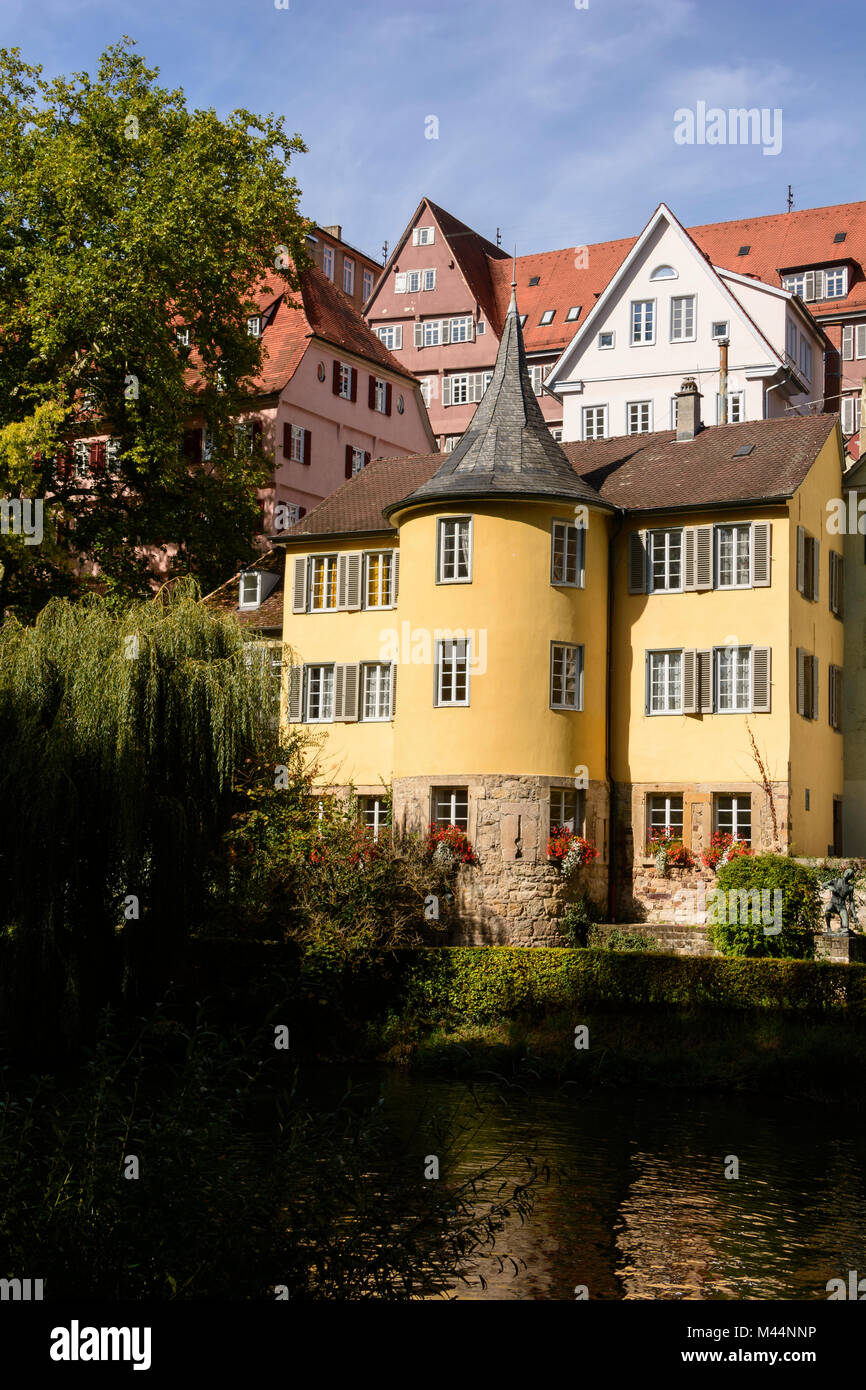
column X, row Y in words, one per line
column 547, row 316
column 573, row 313
column 744, row 250
column 839, row 237
column 535, row 280
column 743, row 451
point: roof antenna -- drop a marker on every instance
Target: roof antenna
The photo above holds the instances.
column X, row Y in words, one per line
column 514, row 268
column 790, row 197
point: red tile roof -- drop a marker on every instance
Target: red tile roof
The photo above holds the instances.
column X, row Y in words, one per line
column 269, row 615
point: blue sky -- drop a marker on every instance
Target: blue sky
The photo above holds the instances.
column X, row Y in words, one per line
column 555, row 123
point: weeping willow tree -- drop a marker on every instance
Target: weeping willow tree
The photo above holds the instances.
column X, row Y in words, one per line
column 121, row 733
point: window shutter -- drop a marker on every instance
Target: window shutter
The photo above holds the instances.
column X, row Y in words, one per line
column 350, row 694
column 810, row 286
column 352, row 581
column 339, row 689
column 816, row 568
column 295, row 693
column 688, row 681
column 445, row 331
column 688, row 557
column 847, row 342
column 760, row 554
column 637, row 562
column 419, row 335
column 446, row 390
column 837, row 696
column 704, row 678
column 416, row 236
column 847, row 414
column 860, row 350
column 581, row 557
column 398, row 338
column 801, row 559
column 287, row 441
column 814, row 687
column 341, row 581
column 366, row 457
column 400, row 283
column 703, row 557
column 395, row 574
column 371, row 392
column 393, row 688
column 308, row 447
column 299, row 588
column 336, row 378
column 471, row 338
column 840, row 585
column 353, row 383
column 388, row 394
column 348, row 460
column 801, row 681
column 761, row 680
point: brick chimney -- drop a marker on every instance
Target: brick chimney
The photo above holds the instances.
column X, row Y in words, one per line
column 688, row 410
column 335, row 231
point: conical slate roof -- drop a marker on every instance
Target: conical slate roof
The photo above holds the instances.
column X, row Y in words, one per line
column 508, row 450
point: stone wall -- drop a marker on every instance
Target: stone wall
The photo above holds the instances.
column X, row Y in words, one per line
column 514, row 896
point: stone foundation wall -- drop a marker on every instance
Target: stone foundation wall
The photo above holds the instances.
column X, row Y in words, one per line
column 514, row 896
column 681, row 940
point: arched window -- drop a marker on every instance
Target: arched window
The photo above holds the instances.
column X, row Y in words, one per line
column 664, row 272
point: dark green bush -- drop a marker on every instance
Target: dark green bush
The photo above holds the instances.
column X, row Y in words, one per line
column 748, row 934
column 617, row 940
column 578, row 919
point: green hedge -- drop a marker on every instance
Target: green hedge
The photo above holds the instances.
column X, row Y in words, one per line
column 482, row 984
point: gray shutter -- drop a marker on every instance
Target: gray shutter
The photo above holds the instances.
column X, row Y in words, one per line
column 581, row 556
column 860, row 350
column 445, row 331
column 703, row 557
column 814, row 687
column 353, row 581
column 419, row 335
column 689, row 557
column 838, row 724
column 446, row 390
column 341, row 580
column 761, row 680
column 339, row 687
column 398, row 337
column 816, row 568
column 637, row 562
column 801, row 559
column 847, row 342
column 393, row 688
column 760, row 554
column 810, row 286
column 689, row 663
column 351, row 682
column 801, row 681
column 831, row 701
column 296, row 690
column 299, row 588
column 704, row 680
column 395, row 575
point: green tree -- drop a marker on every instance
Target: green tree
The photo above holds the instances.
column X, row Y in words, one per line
column 122, row 215
column 121, row 734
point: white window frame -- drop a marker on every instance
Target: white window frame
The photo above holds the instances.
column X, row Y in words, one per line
column 536, row 377
column 254, row 326
column 429, row 280
column 736, row 407
column 561, row 800
column 328, row 261
column 682, row 302
column 840, row 271
column 380, row 396
column 453, row 659
column 426, row 384
column 367, row 282
column 651, row 543
column 390, row 335
column 386, row 584
column 642, row 406
column 573, row 313
column 452, row 797
column 805, row 357
column 606, row 333
column 547, row 317
column 720, row 655
column 737, row 812
column 445, row 527
column 245, row 578
column 328, row 566
column 648, row 310
column 471, row 387
column 379, row 807
column 345, row 392
column 591, row 410
column 377, row 676
column 358, row 457
column 348, row 275
column 461, row 328
column 297, row 445
column 423, row 236
column 669, row 822
column 739, row 529
column 719, row 324
column 559, row 674
column 667, row 659
column 571, row 542
column 325, row 669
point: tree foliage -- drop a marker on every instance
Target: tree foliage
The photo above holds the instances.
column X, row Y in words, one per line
column 122, row 214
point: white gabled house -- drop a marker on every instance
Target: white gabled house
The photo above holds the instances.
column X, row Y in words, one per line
column 667, row 313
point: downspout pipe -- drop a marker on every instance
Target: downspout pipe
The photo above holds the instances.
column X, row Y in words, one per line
column 608, row 715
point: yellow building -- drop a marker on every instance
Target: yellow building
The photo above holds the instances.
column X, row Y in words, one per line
column 518, row 635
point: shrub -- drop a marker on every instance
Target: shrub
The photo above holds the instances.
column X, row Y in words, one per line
column 448, row 845
column 617, row 940
column 765, row 874
column 576, row 921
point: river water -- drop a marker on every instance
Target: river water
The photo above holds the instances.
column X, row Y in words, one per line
column 638, row 1204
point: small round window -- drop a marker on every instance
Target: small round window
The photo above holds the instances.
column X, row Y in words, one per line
column 321, row 371
column 400, row 405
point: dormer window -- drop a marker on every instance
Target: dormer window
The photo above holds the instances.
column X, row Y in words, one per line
column 250, row 589
column 254, row 326
column 664, row 272
column 547, row 316
column 573, row 313
column 812, row 285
